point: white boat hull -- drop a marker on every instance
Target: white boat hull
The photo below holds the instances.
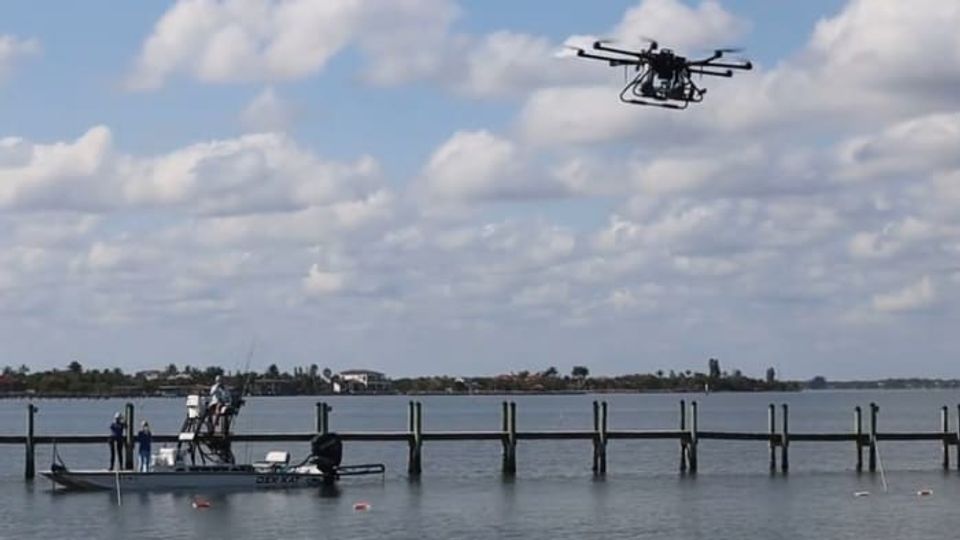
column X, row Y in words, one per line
column 184, row 480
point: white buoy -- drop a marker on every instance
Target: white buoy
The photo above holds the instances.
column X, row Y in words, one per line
column 861, row 493
column 926, row 492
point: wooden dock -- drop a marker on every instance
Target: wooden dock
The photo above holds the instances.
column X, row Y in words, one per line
column 687, row 434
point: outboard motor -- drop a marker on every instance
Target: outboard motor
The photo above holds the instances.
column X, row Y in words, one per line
column 326, row 452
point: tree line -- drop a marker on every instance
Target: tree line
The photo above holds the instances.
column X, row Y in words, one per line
column 76, row 380
column 579, row 380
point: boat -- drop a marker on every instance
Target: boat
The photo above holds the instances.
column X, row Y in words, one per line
column 203, row 459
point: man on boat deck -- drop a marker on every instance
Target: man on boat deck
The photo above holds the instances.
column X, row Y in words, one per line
column 218, row 399
column 116, row 441
column 144, row 438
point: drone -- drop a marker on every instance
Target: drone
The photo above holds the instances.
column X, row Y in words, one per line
column 663, row 78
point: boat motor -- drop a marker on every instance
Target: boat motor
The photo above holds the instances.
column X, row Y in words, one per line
column 326, row 452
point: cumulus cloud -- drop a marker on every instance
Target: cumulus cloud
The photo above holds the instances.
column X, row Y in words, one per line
column 508, row 63
column 892, row 239
column 59, row 175
column 224, row 41
column 785, row 202
column 917, row 145
column 12, row 49
column 679, row 26
column 867, row 65
column 478, row 165
column 912, row 297
column 267, row 112
column 253, row 173
column 320, row 282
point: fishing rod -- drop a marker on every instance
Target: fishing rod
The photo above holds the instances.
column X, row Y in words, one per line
column 243, row 389
column 883, row 475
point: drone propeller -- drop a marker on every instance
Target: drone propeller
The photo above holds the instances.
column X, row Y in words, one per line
column 568, row 51
column 729, row 50
column 651, row 42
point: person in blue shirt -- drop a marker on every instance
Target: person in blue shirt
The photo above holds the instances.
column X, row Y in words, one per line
column 144, row 438
column 116, row 441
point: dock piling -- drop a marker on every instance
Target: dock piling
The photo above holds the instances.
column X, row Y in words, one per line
column 785, row 442
column 692, row 448
column 128, row 437
column 945, row 423
column 872, row 449
column 600, row 438
column 858, row 431
column 30, row 469
column 509, row 438
column 322, row 417
column 415, row 423
column 772, row 426
column 683, row 440
column 596, row 437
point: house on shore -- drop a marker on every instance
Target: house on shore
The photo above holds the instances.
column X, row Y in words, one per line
column 361, row 381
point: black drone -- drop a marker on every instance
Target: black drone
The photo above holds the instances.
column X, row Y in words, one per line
column 663, row 78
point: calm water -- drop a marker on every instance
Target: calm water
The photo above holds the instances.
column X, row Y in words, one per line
column 461, row 494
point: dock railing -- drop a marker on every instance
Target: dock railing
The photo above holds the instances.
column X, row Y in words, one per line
column 687, row 434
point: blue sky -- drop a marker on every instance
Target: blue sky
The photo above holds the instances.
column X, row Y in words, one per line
column 77, row 80
column 421, row 186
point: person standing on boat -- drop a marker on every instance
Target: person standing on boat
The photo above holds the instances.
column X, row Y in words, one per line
column 218, row 399
column 116, row 441
column 144, row 438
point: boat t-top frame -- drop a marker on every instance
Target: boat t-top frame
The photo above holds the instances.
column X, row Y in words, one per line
column 205, row 433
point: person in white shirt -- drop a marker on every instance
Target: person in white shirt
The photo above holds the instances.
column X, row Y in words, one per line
column 218, row 400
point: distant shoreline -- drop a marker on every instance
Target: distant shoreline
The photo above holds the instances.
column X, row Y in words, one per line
column 411, row 394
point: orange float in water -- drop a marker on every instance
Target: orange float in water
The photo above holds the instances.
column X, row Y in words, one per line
column 361, row 506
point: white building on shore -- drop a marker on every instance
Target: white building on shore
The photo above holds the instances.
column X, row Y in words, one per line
column 361, row 381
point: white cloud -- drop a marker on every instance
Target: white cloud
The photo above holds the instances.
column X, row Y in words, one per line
column 912, row 297
column 410, row 40
column 253, row 173
column 60, row 175
column 508, row 63
column 916, row 145
column 576, row 114
column 877, row 45
column 679, row 26
column 478, row 165
column 321, row 282
column 224, row 41
column 12, row 49
column 861, row 68
column 892, row 239
column 267, row 112
column 785, row 195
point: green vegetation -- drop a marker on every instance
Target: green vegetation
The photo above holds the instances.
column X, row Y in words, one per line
column 75, row 380
column 907, row 383
column 579, row 380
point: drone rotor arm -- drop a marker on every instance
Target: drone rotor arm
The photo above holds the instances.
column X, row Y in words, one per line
column 602, row 46
column 715, row 56
column 745, row 65
column 614, row 61
column 701, row 71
